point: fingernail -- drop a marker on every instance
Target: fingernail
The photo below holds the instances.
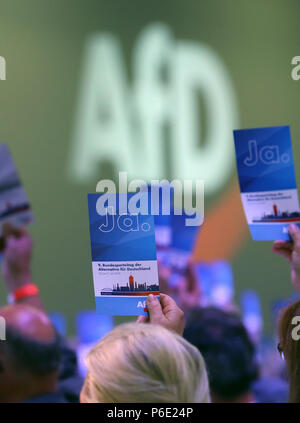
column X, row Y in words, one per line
column 292, row 227
column 151, row 298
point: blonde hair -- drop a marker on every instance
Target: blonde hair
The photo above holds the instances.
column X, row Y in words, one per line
column 145, row 363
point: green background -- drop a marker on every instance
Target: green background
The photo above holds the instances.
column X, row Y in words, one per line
column 43, row 43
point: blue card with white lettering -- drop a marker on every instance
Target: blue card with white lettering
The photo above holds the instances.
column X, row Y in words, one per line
column 267, row 179
column 123, row 254
column 183, row 240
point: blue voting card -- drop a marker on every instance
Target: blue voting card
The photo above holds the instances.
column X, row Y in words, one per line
column 161, row 203
column 267, row 179
column 183, row 240
column 216, row 283
column 123, row 255
column 163, row 232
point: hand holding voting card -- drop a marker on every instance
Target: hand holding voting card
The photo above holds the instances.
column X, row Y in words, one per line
column 123, row 256
column 14, row 206
column 267, row 181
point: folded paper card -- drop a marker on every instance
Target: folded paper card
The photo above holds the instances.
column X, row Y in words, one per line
column 267, row 181
column 123, row 257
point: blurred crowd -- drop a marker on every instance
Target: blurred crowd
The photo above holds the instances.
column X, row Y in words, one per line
column 185, row 350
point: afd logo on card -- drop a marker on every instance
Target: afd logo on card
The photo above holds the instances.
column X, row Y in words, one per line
column 142, row 304
column 268, row 154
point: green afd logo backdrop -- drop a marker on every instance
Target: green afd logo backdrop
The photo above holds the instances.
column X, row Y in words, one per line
column 127, row 124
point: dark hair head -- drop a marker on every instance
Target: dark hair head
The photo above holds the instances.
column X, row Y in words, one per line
column 40, row 358
column 227, row 350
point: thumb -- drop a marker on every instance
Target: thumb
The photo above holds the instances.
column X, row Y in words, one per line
column 294, row 232
column 154, row 308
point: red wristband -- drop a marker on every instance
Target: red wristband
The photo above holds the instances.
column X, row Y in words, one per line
column 25, row 291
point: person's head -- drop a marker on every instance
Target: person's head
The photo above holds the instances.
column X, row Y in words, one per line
column 29, row 356
column 289, row 346
column 145, row 363
column 227, row 350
